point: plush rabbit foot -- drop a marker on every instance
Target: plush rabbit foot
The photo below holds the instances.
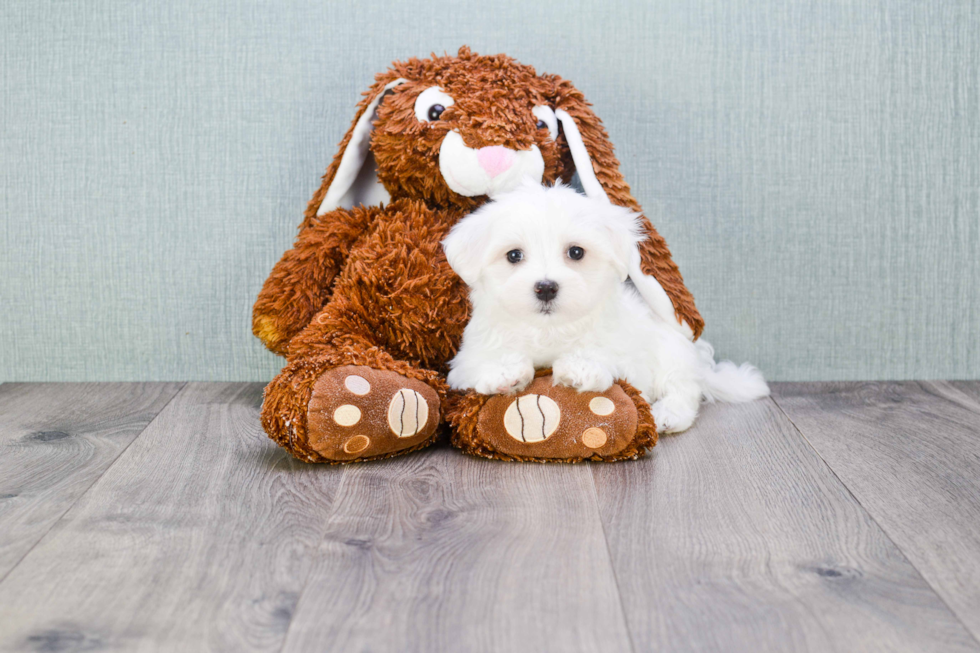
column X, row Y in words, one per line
column 358, row 413
column 545, row 422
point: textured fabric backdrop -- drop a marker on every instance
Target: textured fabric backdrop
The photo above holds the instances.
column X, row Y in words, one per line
column 814, row 166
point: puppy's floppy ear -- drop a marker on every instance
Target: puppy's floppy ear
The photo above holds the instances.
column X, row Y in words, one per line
column 465, row 246
column 625, row 231
column 653, row 271
column 352, row 178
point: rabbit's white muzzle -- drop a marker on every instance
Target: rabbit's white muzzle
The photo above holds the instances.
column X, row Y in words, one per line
column 488, row 170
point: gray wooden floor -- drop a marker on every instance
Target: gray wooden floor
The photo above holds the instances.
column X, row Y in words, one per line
column 833, row 517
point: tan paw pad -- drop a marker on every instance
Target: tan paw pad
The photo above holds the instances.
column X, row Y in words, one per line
column 602, row 406
column 594, row 437
column 357, row 444
column 408, row 413
column 347, row 415
column 532, row 418
column 357, row 384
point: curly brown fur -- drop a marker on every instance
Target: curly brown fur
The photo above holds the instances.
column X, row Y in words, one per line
column 301, row 282
column 371, row 286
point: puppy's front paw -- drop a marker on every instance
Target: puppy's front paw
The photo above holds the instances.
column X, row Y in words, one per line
column 673, row 415
column 504, row 379
column 583, row 374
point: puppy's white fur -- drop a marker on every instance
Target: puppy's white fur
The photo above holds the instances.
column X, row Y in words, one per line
column 596, row 330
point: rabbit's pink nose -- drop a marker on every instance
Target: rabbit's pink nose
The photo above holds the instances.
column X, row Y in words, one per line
column 495, row 159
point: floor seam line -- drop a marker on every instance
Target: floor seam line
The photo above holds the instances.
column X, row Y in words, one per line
column 92, row 484
column 871, row 516
column 319, row 544
column 612, row 564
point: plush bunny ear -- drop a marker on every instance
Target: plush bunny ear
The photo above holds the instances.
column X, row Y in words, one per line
column 625, row 233
column 352, row 177
column 652, row 269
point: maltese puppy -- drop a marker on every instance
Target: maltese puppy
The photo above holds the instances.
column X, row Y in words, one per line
column 548, row 271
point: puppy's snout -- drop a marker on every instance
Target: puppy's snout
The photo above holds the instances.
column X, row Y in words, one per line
column 546, row 290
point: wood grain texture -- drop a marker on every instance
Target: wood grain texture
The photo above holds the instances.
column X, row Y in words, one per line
column 910, row 453
column 199, row 537
column 735, row 536
column 442, row 552
column 55, row 441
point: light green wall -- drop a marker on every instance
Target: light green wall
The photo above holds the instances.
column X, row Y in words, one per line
column 814, row 166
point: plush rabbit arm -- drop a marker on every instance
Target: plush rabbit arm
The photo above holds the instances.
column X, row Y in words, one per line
column 653, row 270
column 300, row 283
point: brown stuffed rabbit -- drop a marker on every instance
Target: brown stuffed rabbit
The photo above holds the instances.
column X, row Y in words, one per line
column 366, row 309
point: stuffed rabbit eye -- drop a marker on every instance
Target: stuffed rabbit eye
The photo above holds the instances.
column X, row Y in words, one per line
column 546, row 118
column 576, row 253
column 430, row 104
column 515, row 256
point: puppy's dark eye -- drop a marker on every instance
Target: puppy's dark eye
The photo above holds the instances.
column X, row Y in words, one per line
column 576, row 253
column 435, row 111
column 515, row 256
column 542, row 124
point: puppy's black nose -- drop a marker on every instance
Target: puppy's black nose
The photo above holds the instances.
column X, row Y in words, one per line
column 546, row 290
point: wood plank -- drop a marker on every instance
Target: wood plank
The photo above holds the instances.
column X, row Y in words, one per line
column 736, row 536
column 56, row 439
column 443, row 552
column 910, row 453
column 199, row 537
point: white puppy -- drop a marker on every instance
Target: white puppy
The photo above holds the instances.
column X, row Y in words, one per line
column 547, row 271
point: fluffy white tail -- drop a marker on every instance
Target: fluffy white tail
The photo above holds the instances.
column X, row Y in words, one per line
column 728, row 382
